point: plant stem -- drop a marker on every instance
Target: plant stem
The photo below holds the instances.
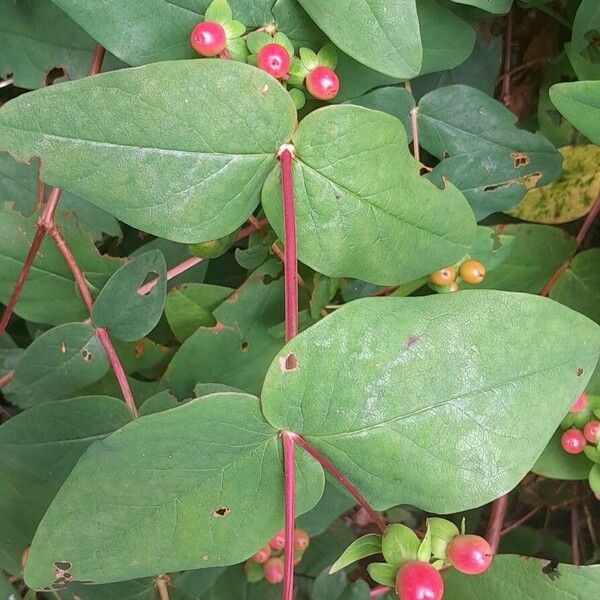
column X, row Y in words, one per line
column 6, row 379
column 506, row 66
column 44, row 223
column 328, row 466
column 520, row 521
column 289, row 484
column 492, row 535
column 379, row 591
column 290, row 247
column 162, row 587
column 575, row 527
column 97, row 60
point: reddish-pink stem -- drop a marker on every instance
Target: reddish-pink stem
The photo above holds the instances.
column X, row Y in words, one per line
column 289, row 484
column 289, row 240
column 496, row 522
column 328, row 466
column 379, row 591
column 6, row 379
column 43, row 224
column 97, row 60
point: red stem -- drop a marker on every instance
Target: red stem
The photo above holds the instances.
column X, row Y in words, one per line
column 97, row 60
column 289, row 240
column 379, row 591
column 328, row 466
column 6, row 379
column 289, row 484
column 496, row 522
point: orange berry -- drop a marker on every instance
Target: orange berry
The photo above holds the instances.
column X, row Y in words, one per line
column 444, row 276
column 472, row 271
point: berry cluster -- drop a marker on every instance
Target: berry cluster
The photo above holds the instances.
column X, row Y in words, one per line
column 272, row 51
column 447, row 279
column 268, row 564
column 582, row 434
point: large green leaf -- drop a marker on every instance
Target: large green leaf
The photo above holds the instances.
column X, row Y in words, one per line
column 498, row 7
column 238, row 349
column 292, row 19
column 518, row 578
column 124, row 312
column 579, row 286
column 378, row 34
column 481, row 151
column 442, row 414
column 579, row 102
column 583, row 49
column 210, row 472
column 37, row 37
column 10, row 354
column 164, row 168
column 366, row 193
column 38, row 449
column 62, row 360
column 49, row 295
column 153, row 30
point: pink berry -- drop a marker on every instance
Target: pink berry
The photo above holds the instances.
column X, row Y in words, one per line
column 323, row 83
column 274, row 59
column 417, row 580
column 208, row 39
column 262, row 555
column 579, row 404
column 572, row 441
column 301, row 539
column 273, row 570
column 278, row 540
column 590, row 431
column 470, row 554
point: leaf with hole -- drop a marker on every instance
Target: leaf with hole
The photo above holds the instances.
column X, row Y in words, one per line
column 59, row 362
column 165, row 169
column 367, row 194
column 193, row 496
column 445, row 369
column 121, row 309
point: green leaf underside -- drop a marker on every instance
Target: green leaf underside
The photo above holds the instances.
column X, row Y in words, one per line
column 579, row 102
column 211, row 472
column 384, row 36
column 121, row 310
column 164, row 168
column 481, row 151
column 441, row 394
column 38, row 449
column 50, row 277
column 59, row 362
column 238, row 349
column 357, row 186
column 523, row 578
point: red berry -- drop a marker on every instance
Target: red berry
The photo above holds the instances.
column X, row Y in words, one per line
column 470, row 554
column 262, row 555
column 208, row 39
column 417, row 580
column 590, row 431
column 323, row 83
column 301, row 539
column 274, row 59
column 572, row 441
column 278, row 540
column 273, row 570
column 579, row 404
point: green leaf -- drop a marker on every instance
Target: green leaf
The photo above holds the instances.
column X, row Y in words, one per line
column 283, row 40
column 579, row 102
column 10, row 354
column 191, row 306
column 528, row 541
column 530, row 579
column 166, row 169
column 337, row 587
column 309, row 58
column 38, row 449
column 594, row 480
column 583, row 51
column 158, row 403
column 534, row 254
column 7, row 591
column 186, row 500
column 481, row 151
column 238, row 349
column 298, row 26
column 407, row 391
column 37, row 37
column 137, row 589
column 327, row 56
column 143, row 356
column 382, row 36
column 491, row 247
column 383, row 573
column 50, row 278
column 579, row 286
column 364, row 546
column 447, row 40
column 234, row 584
column 555, row 463
column 367, row 194
column 218, row 11
column 235, row 29
column 124, row 312
column 256, row 40
column 441, row 532
column 62, row 360
column 498, row 7
column 399, row 544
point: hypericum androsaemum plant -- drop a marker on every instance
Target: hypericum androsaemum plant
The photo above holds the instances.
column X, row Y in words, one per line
column 264, row 318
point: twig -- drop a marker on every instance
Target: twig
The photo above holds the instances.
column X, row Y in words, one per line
column 289, row 484
column 590, row 525
column 496, row 521
column 575, row 527
column 6, row 379
column 506, row 65
column 328, row 466
column 520, row 521
column 379, row 591
column 555, row 276
column 97, row 60
column 162, row 587
column 385, row 291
